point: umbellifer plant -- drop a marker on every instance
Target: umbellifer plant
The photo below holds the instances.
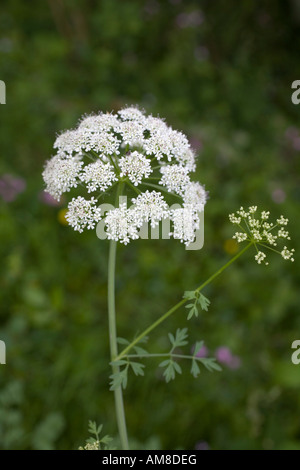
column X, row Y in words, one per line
column 141, row 157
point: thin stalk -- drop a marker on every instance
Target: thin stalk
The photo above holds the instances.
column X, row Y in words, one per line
column 270, row 248
column 114, row 164
column 179, row 304
column 156, row 186
column 135, row 189
column 107, row 190
column 161, row 188
column 119, row 404
column 232, row 260
column 177, row 356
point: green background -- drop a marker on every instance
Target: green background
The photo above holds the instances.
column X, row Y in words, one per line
column 221, row 72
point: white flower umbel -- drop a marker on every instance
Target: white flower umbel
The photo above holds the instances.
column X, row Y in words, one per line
column 121, row 224
column 261, row 232
column 86, row 139
column 132, row 133
column 165, row 143
column 185, row 222
column 99, row 123
column 136, row 166
column 261, row 257
column 287, row 254
column 150, row 206
column 132, row 151
column 60, row 175
column 83, row 213
column 240, row 236
column 175, row 178
column 180, row 148
column 68, row 143
column 131, row 114
column 98, row 175
column 195, row 195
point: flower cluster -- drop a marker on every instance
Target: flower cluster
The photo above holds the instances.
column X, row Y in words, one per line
column 98, row 175
column 61, row 174
column 138, row 152
column 258, row 230
column 91, row 446
column 135, row 166
column 175, row 178
column 185, row 222
column 83, row 213
column 122, row 224
column 223, row 355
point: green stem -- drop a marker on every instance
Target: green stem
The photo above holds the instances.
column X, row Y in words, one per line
column 269, row 248
column 161, row 188
column 155, row 167
column 119, row 405
column 156, row 186
column 179, row 304
column 114, row 164
column 135, row 189
column 232, row 260
column 177, row 356
column 107, row 190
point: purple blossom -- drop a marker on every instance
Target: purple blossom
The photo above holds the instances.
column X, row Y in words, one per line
column 10, row 187
column 296, row 143
column 278, row 195
column 196, row 143
column 203, row 352
column 292, row 134
column 202, row 445
column 152, row 7
column 47, row 199
column 225, row 356
column 190, row 20
column 201, row 53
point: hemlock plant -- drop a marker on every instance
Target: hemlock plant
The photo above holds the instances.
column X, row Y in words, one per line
column 129, row 153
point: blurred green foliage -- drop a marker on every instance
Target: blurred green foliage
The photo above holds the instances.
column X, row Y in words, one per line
column 222, row 73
